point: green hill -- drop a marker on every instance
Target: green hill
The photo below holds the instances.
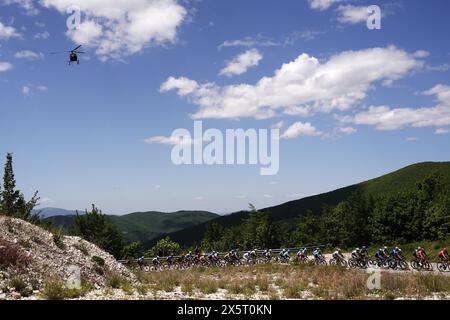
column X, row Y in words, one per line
column 401, row 180
column 144, row 226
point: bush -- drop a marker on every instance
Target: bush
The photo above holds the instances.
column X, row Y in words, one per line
column 115, row 280
column 58, row 238
column 99, row 261
column 11, row 255
column 25, row 244
column 56, row 290
column 82, row 247
column 20, row 286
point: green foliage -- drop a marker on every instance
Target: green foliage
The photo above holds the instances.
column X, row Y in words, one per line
column 95, row 227
column 58, row 238
column 164, row 247
column 133, row 251
column 55, row 289
column 12, row 201
column 98, row 260
column 20, row 286
column 420, row 214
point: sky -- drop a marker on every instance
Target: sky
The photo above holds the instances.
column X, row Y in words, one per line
column 351, row 103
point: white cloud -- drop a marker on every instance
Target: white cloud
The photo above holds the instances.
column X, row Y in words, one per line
column 29, row 88
column 27, row 5
column 117, row 28
column 421, row 54
column 441, row 131
column 301, row 87
column 387, row 118
column 442, row 67
column 5, row 66
column 258, row 41
column 26, row 90
column 7, row 32
column 347, row 130
column 42, row 35
column 322, row 4
column 242, row 63
column 172, row 140
column 301, row 129
column 277, row 125
column 29, row 55
column 352, row 14
column 412, row 139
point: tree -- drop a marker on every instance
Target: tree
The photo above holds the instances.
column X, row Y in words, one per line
column 12, row 201
column 163, row 248
column 133, row 250
column 95, row 227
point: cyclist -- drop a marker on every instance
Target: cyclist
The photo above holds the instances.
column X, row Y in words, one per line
column 267, row 254
column 141, row 262
column 380, row 254
column 301, row 254
column 169, row 259
column 356, row 254
column 364, row 253
column 235, row 254
column 443, row 255
column 317, row 253
column 397, row 253
column 246, row 257
column 253, row 254
column 155, row 261
column 337, row 255
column 421, row 254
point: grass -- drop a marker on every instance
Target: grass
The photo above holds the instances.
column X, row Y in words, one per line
column 82, row 247
column 295, row 282
column 55, row 289
column 20, row 286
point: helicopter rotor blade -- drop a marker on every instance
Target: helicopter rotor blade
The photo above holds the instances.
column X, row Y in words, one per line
column 77, row 48
column 79, row 52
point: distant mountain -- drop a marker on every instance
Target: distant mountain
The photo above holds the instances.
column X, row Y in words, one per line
column 145, row 226
column 52, row 212
column 401, row 180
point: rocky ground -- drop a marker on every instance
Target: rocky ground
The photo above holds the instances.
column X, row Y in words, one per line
column 41, row 257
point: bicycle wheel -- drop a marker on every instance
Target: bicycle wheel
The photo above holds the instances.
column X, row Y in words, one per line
column 442, row 267
column 333, row 262
column 403, row 265
column 427, row 266
column 343, row 263
column 414, row 264
column 352, row 263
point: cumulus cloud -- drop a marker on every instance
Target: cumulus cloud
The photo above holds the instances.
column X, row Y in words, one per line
column 7, row 32
column 5, row 66
column 242, row 63
column 301, row 87
column 301, row 129
column 322, row 4
column 117, row 28
column 29, row 55
column 387, row 118
column 352, row 14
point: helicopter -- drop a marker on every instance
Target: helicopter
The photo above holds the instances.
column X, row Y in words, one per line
column 73, row 55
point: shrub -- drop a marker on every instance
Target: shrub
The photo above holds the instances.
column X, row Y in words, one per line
column 58, row 238
column 115, row 280
column 99, row 261
column 11, row 255
column 20, row 286
column 25, row 244
column 55, row 289
column 82, row 247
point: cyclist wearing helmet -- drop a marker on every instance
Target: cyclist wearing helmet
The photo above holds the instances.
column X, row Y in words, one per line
column 338, row 255
column 155, row 261
column 443, row 255
column 364, row 252
column 356, row 253
column 397, row 253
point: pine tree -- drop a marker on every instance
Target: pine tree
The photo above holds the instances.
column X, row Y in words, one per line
column 10, row 196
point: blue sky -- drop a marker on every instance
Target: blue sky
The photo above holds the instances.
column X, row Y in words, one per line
column 352, row 103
